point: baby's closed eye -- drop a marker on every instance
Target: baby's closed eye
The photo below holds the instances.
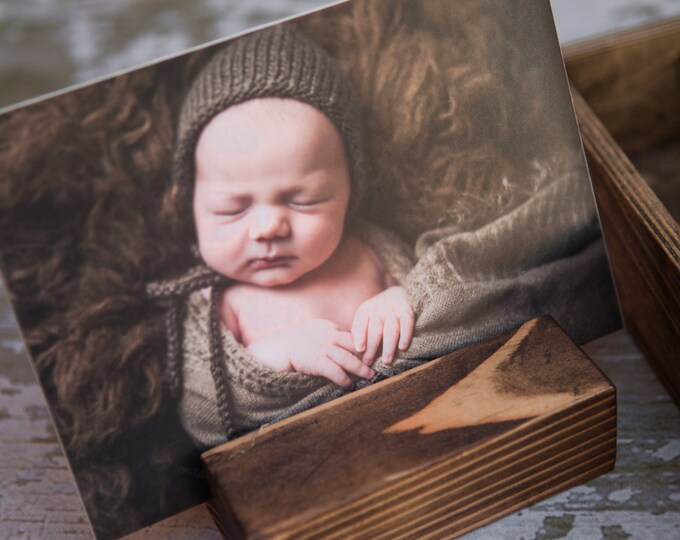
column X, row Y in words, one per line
column 309, row 195
column 230, row 212
column 231, row 208
column 306, row 202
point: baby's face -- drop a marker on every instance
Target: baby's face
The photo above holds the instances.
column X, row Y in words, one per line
column 271, row 191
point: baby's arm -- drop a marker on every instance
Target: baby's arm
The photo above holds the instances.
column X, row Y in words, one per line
column 387, row 317
column 315, row 347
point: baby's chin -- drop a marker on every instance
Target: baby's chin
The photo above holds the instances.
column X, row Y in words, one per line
column 274, row 277
column 271, row 282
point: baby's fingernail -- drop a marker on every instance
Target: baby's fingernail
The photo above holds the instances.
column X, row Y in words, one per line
column 370, row 373
column 360, row 347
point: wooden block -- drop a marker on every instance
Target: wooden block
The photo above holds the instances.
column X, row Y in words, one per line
column 433, row 452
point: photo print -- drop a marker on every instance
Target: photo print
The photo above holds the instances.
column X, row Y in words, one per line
column 218, row 241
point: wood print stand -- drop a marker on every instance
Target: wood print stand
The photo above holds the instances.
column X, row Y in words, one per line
column 430, row 453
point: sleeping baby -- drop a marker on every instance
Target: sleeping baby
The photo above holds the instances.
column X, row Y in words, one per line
column 304, row 297
column 271, row 192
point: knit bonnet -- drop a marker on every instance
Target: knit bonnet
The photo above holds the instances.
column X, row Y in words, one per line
column 274, row 62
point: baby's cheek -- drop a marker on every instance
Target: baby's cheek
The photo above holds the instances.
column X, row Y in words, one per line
column 324, row 234
column 217, row 250
column 226, row 238
column 211, row 257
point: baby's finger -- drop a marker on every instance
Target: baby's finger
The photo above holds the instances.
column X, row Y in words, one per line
column 390, row 338
column 375, row 332
column 406, row 324
column 350, row 363
column 359, row 329
column 330, row 370
column 345, row 341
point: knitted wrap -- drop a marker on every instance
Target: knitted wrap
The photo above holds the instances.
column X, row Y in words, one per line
column 222, row 391
column 174, row 291
column 274, row 62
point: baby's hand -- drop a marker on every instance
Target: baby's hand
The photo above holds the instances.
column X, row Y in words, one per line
column 387, row 317
column 315, row 347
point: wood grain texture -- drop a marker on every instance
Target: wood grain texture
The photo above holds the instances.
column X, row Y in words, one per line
column 643, row 242
column 660, row 167
column 631, row 80
column 389, row 462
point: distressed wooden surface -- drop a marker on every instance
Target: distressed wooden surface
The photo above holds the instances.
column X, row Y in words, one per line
column 639, row 499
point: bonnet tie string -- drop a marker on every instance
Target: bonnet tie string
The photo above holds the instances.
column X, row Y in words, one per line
column 176, row 291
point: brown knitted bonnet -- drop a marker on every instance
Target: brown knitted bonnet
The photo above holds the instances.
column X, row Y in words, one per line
column 274, row 62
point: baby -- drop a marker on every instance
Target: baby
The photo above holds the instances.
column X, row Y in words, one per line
column 270, row 197
column 267, row 146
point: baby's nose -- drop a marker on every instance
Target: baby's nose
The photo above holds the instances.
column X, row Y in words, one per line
column 269, row 223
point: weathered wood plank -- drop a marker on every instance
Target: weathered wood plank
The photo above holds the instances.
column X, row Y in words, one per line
column 37, row 494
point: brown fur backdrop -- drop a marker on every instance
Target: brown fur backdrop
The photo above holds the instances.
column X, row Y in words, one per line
column 82, row 232
column 453, row 112
column 453, row 133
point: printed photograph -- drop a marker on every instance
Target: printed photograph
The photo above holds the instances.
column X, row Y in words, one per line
column 210, row 244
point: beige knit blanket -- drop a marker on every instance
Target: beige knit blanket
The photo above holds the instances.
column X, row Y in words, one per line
column 544, row 257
